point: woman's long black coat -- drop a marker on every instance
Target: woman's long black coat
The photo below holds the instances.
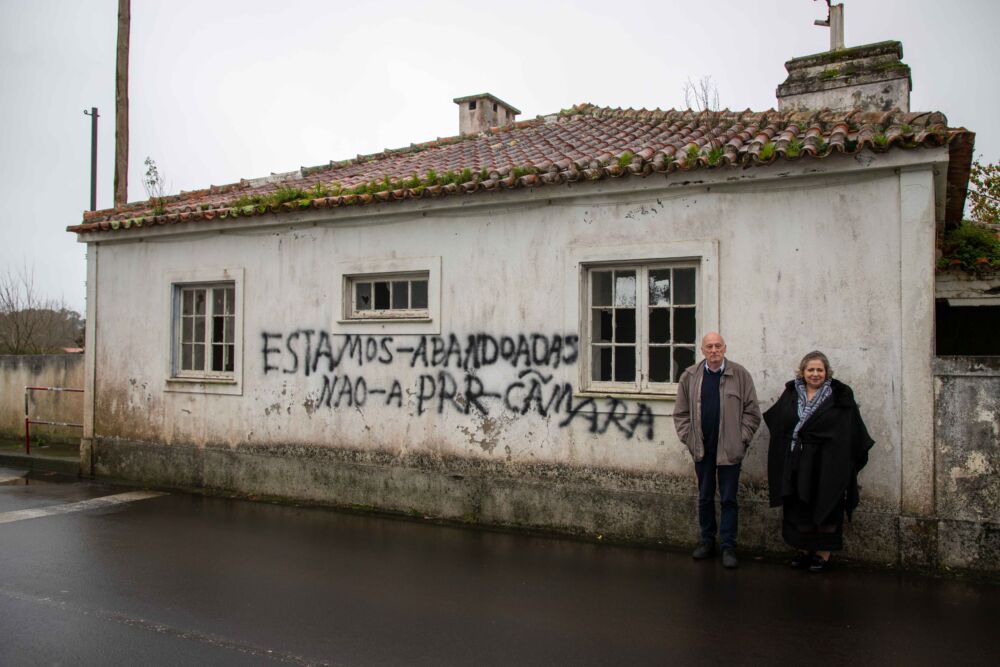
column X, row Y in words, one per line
column 835, row 446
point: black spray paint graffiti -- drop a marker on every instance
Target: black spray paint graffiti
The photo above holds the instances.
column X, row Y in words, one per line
column 448, row 378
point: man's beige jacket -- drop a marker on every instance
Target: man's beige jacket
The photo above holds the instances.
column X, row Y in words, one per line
column 739, row 414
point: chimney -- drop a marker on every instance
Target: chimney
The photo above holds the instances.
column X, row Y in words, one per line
column 478, row 113
column 870, row 78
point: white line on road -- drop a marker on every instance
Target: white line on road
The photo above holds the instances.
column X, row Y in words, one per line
column 82, row 506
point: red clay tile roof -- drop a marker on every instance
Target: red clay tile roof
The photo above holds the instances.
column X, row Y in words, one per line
column 585, row 143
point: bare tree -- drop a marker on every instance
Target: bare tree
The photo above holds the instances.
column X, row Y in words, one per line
column 701, row 95
column 31, row 324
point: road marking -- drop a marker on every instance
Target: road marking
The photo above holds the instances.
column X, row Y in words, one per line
column 82, row 506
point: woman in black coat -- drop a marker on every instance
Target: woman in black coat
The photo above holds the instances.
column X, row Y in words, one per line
column 818, row 444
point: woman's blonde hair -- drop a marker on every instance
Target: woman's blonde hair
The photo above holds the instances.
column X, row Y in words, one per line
column 815, row 354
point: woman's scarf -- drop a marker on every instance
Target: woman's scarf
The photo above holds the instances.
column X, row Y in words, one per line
column 807, row 407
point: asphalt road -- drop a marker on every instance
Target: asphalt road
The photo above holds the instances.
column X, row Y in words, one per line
column 188, row 580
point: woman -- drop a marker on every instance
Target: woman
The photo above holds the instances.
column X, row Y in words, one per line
column 818, row 445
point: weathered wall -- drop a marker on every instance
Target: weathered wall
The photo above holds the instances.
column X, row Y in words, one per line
column 50, row 370
column 967, row 440
column 803, row 263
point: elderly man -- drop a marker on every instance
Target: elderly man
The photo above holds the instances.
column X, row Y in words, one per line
column 716, row 415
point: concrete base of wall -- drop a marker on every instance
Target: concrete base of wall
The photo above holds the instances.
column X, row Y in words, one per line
column 609, row 505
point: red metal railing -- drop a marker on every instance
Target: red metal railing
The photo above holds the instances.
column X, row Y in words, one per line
column 28, row 421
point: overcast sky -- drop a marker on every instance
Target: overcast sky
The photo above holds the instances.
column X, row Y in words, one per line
column 228, row 89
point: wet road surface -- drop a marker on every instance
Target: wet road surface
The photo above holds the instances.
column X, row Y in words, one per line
column 177, row 579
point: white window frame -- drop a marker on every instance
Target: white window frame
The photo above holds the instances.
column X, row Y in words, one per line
column 207, row 380
column 642, row 384
column 352, row 308
column 700, row 255
column 401, row 322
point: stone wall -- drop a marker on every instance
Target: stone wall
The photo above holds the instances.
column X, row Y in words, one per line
column 967, row 440
column 46, row 370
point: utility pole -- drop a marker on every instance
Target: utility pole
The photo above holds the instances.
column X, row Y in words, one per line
column 121, row 105
column 93, row 156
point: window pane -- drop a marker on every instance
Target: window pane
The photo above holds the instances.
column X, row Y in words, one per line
column 400, row 295
column 601, row 281
column 218, row 301
column 601, row 323
column 187, row 354
column 625, row 288
column 187, row 329
column 683, row 357
column 683, row 286
column 187, row 307
column 199, row 329
column 659, row 364
column 199, row 302
column 684, row 325
column 625, row 325
column 381, row 295
column 418, row 294
column 230, row 301
column 199, row 358
column 659, row 325
column 218, row 326
column 659, row 287
column 216, row 357
column 230, row 353
column 229, row 333
column 600, row 364
column 624, row 363
column 363, row 296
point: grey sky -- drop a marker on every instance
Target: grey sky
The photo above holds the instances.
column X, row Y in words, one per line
column 225, row 89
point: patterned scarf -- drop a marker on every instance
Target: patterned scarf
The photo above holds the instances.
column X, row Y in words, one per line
column 807, row 407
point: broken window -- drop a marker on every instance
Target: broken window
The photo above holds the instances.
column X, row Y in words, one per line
column 388, row 296
column 205, row 330
column 641, row 326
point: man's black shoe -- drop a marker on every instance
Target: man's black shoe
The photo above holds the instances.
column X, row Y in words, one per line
column 703, row 551
column 729, row 559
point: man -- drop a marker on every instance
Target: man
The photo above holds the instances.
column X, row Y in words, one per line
column 716, row 415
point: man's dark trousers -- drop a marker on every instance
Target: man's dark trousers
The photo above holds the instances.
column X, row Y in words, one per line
column 728, row 484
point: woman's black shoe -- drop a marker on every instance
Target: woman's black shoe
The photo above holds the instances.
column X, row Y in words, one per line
column 801, row 560
column 818, row 564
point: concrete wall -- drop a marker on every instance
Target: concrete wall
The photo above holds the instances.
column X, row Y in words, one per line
column 967, row 441
column 52, row 370
column 811, row 257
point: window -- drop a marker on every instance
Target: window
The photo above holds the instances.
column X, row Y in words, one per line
column 388, row 296
column 205, row 330
column 641, row 326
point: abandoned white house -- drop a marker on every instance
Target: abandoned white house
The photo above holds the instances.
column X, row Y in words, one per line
column 488, row 328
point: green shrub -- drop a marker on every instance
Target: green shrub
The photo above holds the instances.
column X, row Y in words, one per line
column 972, row 247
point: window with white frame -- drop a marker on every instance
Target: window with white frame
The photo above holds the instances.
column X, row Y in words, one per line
column 387, row 296
column 641, row 325
column 205, row 330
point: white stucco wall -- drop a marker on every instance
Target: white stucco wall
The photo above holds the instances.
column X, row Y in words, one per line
column 809, row 257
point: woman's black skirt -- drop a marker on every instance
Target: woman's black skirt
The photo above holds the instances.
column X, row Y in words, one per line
column 799, row 531
column 798, row 527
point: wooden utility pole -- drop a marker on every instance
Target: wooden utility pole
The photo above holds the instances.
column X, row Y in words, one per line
column 121, row 106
